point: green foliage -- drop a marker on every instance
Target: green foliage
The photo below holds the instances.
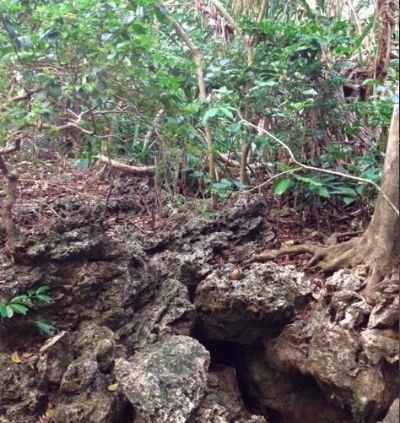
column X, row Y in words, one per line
column 21, row 304
column 225, row 187
column 116, row 64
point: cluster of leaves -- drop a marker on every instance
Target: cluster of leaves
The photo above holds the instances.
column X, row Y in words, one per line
column 116, row 64
column 21, row 304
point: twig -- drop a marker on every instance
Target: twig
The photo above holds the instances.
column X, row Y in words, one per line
column 272, row 178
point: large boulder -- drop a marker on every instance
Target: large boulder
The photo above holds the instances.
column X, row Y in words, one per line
column 261, row 302
column 356, row 368
column 166, row 381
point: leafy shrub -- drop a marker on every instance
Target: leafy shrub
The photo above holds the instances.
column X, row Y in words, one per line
column 21, row 304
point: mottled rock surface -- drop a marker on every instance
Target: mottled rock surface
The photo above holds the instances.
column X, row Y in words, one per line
column 165, row 382
column 20, row 399
column 260, row 303
column 169, row 312
column 352, row 366
column 222, row 402
column 128, row 306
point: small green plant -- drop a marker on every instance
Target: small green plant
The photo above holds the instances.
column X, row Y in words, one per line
column 21, row 304
column 225, row 187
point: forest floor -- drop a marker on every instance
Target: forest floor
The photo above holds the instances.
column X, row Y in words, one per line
column 133, row 202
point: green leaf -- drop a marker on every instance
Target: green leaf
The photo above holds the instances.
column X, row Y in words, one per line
column 369, row 82
column 282, row 166
column 308, row 180
column 282, row 186
column 11, row 30
column 44, row 327
column 21, row 299
column 239, row 185
column 19, row 308
column 160, row 13
column 139, row 29
column 209, row 114
column 323, row 192
column 6, row 311
column 3, row 309
column 228, row 113
column 44, row 298
column 31, row 292
column 235, row 127
column 348, row 200
column 42, row 289
column 83, row 163
column 344, row 191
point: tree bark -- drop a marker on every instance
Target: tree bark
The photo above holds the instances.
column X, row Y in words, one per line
column 382, row 235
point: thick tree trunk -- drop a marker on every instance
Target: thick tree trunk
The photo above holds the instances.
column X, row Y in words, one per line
column 382, row 235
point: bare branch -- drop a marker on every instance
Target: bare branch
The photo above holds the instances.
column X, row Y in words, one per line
column 135, row 170
column 69, row 125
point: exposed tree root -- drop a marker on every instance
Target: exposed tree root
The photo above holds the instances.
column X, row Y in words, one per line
column 334, row 256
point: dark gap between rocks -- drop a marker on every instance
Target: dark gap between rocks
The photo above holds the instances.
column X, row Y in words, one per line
column 224, row 353
column 306, row 403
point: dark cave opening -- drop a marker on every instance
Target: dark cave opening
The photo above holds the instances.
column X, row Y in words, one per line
column 306, row 402
column 224, row 353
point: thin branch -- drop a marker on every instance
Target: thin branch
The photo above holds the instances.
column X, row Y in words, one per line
column 203, row 96
column 228, row 17
column 11, row 149
column 316, row 169
column 69, row 125
column 272, row 178
column 194, row 49
column 260, row 16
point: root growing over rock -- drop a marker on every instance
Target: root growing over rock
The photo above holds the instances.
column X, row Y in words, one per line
column 334, row 256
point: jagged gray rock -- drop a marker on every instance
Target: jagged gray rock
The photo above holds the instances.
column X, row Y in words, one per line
column 262, row 302
column 55, row 356
column 223, row 402
column 20, row 399
column 170, row 313
column 84, row 395
column 296, row 398
column 352, row 367
column 165, row 382
column 393, row 414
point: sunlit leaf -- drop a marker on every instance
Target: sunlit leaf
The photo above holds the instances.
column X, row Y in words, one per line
column 15, row 358
column 112, row 387
column 282, row 186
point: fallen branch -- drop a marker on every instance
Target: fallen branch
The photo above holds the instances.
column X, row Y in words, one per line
column 135, row 170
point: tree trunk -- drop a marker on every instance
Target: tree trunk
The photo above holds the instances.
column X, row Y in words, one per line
column 382, row 235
